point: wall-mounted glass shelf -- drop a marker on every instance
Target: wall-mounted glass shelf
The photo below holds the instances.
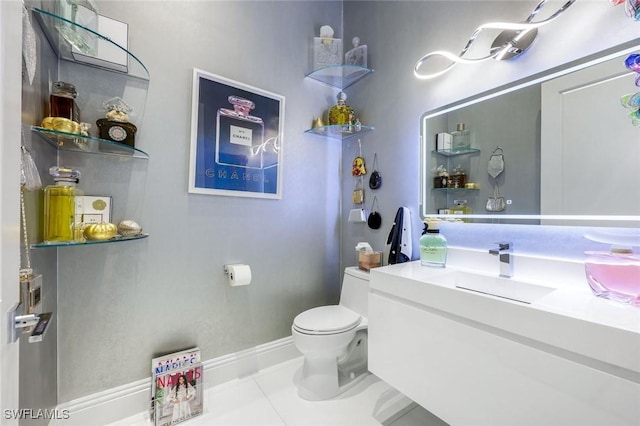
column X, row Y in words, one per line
column 454, row 189
column 339, row 131
column 51, row 23
column 453, row 153
column 86, row 144
column 340, row 76
column 116, row 239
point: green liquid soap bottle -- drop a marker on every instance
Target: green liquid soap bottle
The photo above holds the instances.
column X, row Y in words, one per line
column 62, row 206
column 433, row 246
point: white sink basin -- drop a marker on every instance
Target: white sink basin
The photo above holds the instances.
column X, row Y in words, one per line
column 507, row 288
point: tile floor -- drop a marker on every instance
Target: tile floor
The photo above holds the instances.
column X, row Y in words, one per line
column 269, row 398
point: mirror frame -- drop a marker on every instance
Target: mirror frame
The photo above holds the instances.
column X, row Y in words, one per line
column 593, row 59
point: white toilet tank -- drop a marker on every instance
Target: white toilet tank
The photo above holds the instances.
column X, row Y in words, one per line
column 355, row 290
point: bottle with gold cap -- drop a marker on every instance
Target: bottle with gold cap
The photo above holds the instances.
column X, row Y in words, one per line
column 341, row 113
column 433, row 246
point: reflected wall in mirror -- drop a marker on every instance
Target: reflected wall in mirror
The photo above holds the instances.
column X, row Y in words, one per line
column 571, row 154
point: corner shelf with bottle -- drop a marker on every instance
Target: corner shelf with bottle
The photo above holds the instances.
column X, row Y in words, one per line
column 105, row 74
column 329, row 69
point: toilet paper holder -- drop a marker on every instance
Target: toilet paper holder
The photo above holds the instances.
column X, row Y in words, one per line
column 238, row 274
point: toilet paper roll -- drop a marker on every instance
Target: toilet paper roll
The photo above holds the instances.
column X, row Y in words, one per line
column 238, row 274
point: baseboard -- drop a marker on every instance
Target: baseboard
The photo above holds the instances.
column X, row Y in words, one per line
column 128, row 400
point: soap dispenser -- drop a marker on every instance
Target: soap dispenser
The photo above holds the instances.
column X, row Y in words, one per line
column 433, row 245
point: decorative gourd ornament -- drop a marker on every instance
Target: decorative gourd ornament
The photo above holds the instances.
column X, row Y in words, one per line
column 100, row 231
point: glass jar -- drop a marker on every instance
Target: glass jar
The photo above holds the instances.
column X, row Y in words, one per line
column 62, row 101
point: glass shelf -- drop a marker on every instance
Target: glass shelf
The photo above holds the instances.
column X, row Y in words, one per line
column 86, row 144
column 116, row 239
column 453, row 153
column 340, row 76
column 454, row 189
column 338, row 131
column 49, row 23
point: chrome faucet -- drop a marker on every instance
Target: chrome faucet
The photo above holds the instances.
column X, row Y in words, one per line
column 505, row 254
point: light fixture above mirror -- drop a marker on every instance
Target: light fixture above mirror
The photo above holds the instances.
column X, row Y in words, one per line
column 514, row 39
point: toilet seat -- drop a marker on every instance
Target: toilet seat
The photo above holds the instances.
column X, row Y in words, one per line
column 332, row 319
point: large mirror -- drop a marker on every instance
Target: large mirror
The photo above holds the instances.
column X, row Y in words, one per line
column 558, row 148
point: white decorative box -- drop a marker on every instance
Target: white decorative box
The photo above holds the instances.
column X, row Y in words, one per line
column 96, row 209
column 108, row 55
column 444, row 142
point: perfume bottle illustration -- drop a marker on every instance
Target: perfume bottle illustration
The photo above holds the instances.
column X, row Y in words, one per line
column 357, row 55
column 239, row 136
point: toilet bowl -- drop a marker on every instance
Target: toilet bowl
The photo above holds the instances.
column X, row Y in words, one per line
column 333, row 340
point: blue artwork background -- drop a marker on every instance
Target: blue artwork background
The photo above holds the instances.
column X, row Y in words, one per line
column 212, row 96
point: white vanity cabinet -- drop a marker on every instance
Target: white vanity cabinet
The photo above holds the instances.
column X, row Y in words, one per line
column 474, row 359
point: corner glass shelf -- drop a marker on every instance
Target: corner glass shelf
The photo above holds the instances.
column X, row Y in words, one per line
column 339, row 131
column 50, row 23
column 86, row 144
column 116, row 239
column 453, row 153
column 340, row 76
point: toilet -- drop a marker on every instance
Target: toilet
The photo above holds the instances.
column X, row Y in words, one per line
column 333, row 340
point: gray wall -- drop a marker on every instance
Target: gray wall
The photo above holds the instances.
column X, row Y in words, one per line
column 131, row 301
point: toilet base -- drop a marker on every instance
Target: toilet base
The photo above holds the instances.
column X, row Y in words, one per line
column 326, row 378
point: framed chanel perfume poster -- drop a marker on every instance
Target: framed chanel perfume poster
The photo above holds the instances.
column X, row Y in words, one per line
column 236, row 138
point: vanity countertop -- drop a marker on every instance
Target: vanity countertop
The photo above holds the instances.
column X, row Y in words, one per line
column 569, row 321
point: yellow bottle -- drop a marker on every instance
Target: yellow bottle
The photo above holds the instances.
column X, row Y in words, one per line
column 462, row 208
column 341, row 113
column 62, row 207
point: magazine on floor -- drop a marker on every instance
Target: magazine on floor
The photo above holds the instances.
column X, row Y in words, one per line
column 161, row 365
column 178, row 395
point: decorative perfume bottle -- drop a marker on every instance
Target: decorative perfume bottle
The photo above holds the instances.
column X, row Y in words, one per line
column 62, row 101
column 433, row 246
column 239, row 136
column 357, row 55
column 461, row 138
column 63, row 207
column 83, row 13
column 462, row 208
column 341, row 113
column 459, row 178
column 116, row 126
column 615, row 274
column 327, row 50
